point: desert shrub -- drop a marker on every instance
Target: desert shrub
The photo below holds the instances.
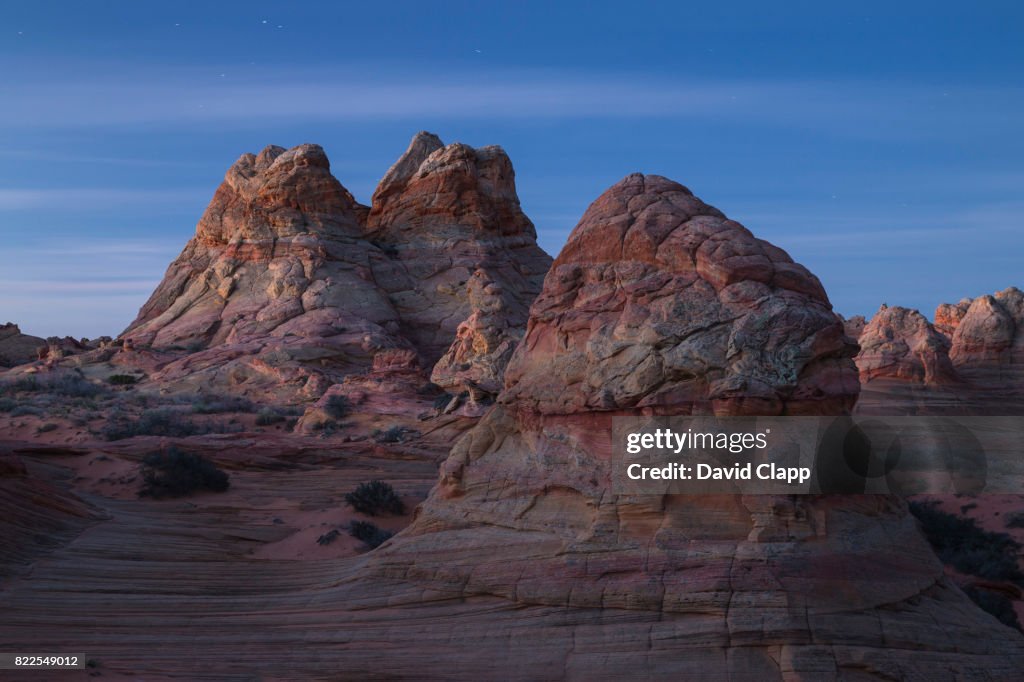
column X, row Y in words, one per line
column 442, row 401
column 122, row 379
column 24, row 384
column 47, row 427
column 996, row 603
column 161, row 421
column 174, row 473
column 328, row 537
column 369, row 534
column 70, row 384
column 7, row 404
column 396, row 434
column 268, row 416
column 960, row 543
column 26, row 411
column 1015, row 519
column 375, row 497
column 221, row 404
column 337, row 406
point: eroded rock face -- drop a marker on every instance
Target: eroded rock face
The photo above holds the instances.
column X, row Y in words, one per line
column 948, row 316
column 990, row 335
column 660, row 304
column 276, row 292
column 658, row 299
column 900, row 343
column 17, row 348
column 442, row 212
column 854, row 326
column 475, row 363
column 287, row 289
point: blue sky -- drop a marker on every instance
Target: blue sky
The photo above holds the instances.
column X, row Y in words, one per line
column 879, row 143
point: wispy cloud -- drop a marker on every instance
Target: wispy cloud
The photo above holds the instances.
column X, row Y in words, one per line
column 104, row 95
column 77, row 199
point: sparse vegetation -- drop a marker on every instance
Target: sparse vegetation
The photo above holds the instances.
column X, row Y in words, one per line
column 996, row 603
column 442, row 401
column 971, row 550
column 68, row 384
column 960, row 543
column 222, row 404
column 337, row 406
column 122, row 379
column 162, row 421
column 375, row 497
column 26, row 411
column 328, row 537
column 46, row 428
column 7, row 404
column 174, row 473
column 268, row 416
column 1015, row 519
column 395, row 434
column 369, row 534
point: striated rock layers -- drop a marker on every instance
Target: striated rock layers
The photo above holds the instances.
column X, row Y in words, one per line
column 904, row 366
column 289, row 284
column 475, row 363
column 442, row 212
column 523, row 554
column 970, row 362
column 17, row 348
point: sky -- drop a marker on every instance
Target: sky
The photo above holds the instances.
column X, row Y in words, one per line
column 879, row 143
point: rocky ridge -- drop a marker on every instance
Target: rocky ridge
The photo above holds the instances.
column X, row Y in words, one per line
column 290, row 285
column 660, row 304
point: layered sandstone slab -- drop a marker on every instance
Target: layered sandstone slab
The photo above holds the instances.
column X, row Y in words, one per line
column 17, row 348
column 660, row 304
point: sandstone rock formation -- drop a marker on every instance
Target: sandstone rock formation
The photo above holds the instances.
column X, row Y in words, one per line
column 660, row 304
column 657, row 299
column 905, row 368
column 948, row 316
column 276, row 287
column 900, row 343
column 854, row 326
column 17, row 348
column 290, row 285
column 442, row 212
column 475, row 363
column 988, row 342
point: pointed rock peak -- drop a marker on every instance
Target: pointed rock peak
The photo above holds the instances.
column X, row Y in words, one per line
column 279, row 193
column 267, row 156
column 468, row 191
column 303, row 155
column 423, row 144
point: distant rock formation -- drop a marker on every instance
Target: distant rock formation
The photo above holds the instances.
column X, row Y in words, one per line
column 290, row 285
column 948, row 316
column 988, row 340
column 900, row 343
column 17, row 348
column 660, row 304
column 970, row 362
column 905, row 368
column 854, row 326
